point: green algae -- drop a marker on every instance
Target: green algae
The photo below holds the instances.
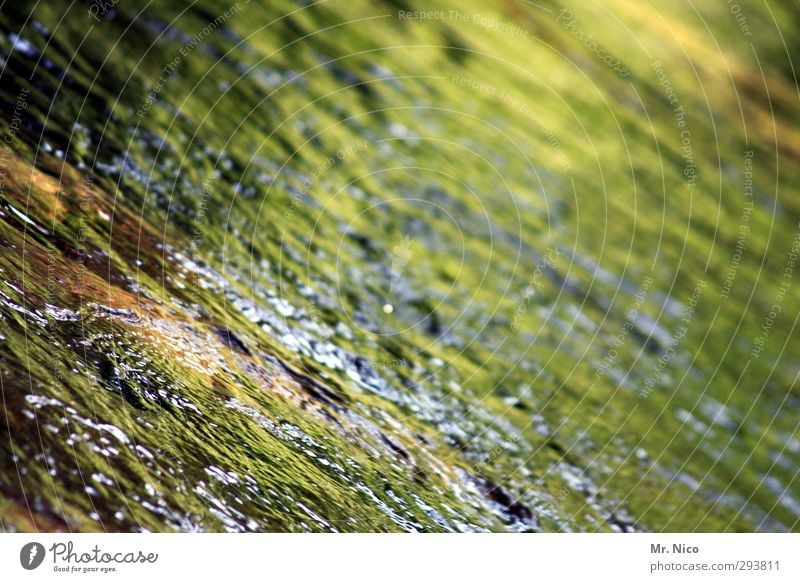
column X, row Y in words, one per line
column 264, row 190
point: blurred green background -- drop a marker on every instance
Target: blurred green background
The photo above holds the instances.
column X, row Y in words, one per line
column 349, row 266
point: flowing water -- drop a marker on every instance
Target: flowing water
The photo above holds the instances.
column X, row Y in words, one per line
column 336, row 266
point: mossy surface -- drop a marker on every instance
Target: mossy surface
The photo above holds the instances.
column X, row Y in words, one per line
column 198, row 264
